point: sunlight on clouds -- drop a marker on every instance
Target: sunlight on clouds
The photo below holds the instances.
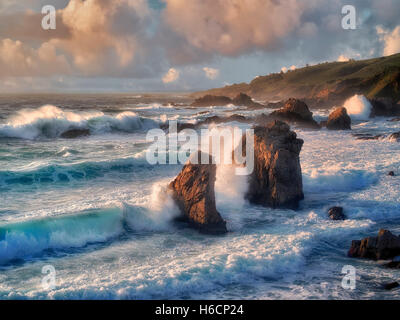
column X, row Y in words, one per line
column 171, row 76
column 211, row 73
column 391, row 40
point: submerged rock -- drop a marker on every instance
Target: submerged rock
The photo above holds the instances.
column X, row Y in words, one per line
column 210, row 100
column 339, row 120
column 193, row 191
column 391, row 173
column 336, row 213
column 296, row 111
column 75, row 133
column 394, row 136
column 276, row 180
column 385, row 246
column 391, row 285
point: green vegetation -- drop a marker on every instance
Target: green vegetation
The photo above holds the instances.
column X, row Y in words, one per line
column 379, row 77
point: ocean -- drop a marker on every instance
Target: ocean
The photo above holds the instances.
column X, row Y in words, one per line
column 95, row 210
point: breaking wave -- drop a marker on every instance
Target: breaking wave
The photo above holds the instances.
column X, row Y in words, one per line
column 51, row 122
column 358, row 107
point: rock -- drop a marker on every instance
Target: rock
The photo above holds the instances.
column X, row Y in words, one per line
column 384, row 107
column 391, row 173
column 296, row 111
column 367, row 136
column 210, row 100
column 394, row 136
column 394, row 120
column 276, row 180
column 218, row 119
column 336, row 213
column 384, row 246
column 339, row 120
column 193, row 191
column 243, row 99
column 75, row 133
column 391, row 285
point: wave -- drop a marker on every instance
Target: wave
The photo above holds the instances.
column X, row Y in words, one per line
column 358, row 107
column 51, row 122
column 79, row 171
column 343, row 180
column 30, row 239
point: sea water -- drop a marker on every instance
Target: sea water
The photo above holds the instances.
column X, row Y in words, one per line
column 97, row 211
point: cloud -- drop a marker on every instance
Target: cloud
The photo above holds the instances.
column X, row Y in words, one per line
column 171, row 76
column 343, row 58
column 232, row 27
column 211, row 73
column 391, row 40
column 93, row 38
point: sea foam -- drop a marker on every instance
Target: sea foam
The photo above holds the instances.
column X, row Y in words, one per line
column 358, row 107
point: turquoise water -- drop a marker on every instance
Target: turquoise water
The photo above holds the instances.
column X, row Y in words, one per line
column 96, row 210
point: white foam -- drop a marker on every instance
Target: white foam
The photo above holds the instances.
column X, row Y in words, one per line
column 358, row 107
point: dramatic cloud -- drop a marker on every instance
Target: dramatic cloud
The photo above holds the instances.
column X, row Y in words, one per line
column 391, row 40
column 171, row 76
column 93, row 37
column 211, row 73
column 232, row 27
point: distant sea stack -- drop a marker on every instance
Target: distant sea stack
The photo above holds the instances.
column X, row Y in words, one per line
column 339, row 120
column 296, row 111
column 241, row 99
column 193, row 191
column 276, row 180
column 385, row 246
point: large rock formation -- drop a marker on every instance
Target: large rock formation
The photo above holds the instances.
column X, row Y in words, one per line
column 296, row 111
column 384, row 107
column 339, row 120
column 243, row 99
column 193, row 191
column 385, row 246
column 276, row 180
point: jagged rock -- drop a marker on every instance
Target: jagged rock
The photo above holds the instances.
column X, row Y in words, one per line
column 391, row 285
column 296, row 111
column 243, row 99
column 391, row 173
column 276, row 180
column 210, row 100
column 193, row 191
column 336, row 213
column 384, row 107
column 339, row 120
column 385, row 246
column 75, row 133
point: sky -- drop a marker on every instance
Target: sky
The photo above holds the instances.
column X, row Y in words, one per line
column 181, row 45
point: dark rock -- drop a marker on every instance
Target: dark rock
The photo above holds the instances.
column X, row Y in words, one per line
column 296, row 111
column 75, row 133
column 243, row 99
column 193, row 191
column 210, row 100
column 336, row 213
column 218, row 119
column 339, row 120
column 384, row 246
column 391, row 285
column 394, row 119
column 384, row 107
column 276, row 180
column 367, row 136
column 391, row 173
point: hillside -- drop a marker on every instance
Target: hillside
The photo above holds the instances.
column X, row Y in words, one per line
column 326, row 83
